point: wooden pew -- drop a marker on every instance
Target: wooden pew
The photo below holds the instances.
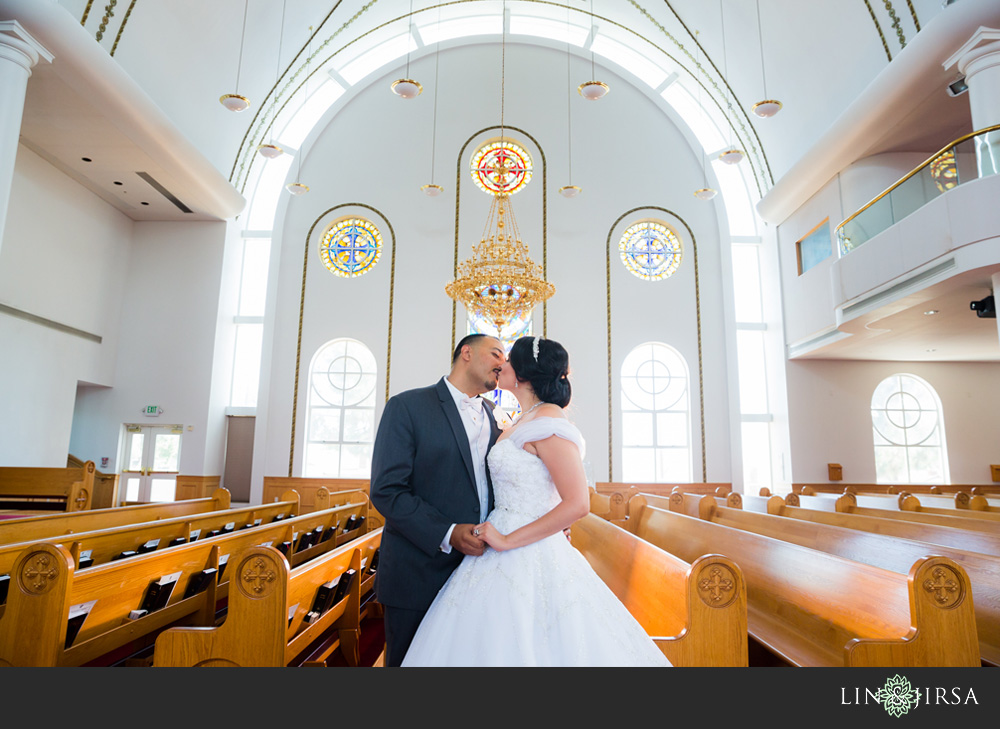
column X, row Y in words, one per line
column 944, row 526
column 311, row 489
column 105, row 493
column 45, row 584
column 696, row 612
column 104, row 545
column 47, row 489
column 810, row 489
column 879, row 550
column 34, row 528
column 811, row 608
column 265, row 624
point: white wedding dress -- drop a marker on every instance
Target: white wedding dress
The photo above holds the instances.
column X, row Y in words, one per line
column 537, row 605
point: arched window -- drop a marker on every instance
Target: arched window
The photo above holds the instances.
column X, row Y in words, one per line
column 908, row 430
column 656, row 416
column 340, row 418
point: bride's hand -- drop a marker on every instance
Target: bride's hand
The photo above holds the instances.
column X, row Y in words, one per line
column 489, row 534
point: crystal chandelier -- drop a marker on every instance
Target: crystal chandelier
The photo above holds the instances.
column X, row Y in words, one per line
column 500, row 282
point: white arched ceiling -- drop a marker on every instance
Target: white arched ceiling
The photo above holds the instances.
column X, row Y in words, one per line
column 326, row 75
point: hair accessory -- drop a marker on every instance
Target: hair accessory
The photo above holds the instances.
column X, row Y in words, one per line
column 534, row 347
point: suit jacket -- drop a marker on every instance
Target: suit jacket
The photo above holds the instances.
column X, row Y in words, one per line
column 422, row 482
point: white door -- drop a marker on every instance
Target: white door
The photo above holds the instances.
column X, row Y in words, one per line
column 151, row 457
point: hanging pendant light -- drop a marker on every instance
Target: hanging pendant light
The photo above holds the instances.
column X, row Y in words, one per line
column 272, row 150
column 593, row 90
column 768, row 107
column 406, row 87
column 297, row 188
column 733, row 155
column 570, row 190
column 706, row 192
column 236, row 101
column 431, row 189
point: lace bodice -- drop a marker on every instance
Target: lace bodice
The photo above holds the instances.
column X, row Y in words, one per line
column 522, row 487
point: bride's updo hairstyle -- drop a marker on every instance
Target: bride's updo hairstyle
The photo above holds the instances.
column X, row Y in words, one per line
column 548, row 375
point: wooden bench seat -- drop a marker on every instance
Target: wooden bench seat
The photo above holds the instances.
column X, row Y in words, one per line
column 31, row 529
column 312, row 490
column 955, row 531
column 695, row 611
column 879, row 550
column 812, row 608
column 266, row 621
column 47, row 489
column 45, row 584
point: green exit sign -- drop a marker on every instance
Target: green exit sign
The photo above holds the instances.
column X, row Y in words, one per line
column 152, row 410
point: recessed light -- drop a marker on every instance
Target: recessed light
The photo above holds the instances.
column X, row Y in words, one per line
column 932, row 350
column 144, row 203
column 119, row 182
column 86, row 159
column 930, row 312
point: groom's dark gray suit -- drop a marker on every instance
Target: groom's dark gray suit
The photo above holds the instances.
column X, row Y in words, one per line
column 423, row 481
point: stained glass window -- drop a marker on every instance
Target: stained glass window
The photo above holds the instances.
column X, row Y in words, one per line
column 908, row 432
column 650, row 250
column 340, row 420
column 501, row 166
column 656, row 421
column 351, row 247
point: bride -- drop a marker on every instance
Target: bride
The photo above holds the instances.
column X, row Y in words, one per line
column 532, row 599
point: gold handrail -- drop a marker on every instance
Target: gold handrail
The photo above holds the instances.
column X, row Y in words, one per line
column 917, row 169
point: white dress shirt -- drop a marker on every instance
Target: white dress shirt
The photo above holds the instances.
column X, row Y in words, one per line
column 477, row 427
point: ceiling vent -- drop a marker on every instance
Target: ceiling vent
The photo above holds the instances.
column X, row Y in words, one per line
column 164, row 191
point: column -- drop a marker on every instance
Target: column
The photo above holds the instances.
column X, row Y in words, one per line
column 19, row 53
column 979, row 61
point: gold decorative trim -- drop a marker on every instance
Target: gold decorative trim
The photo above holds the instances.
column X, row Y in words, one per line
column 121, row 28
column 458, row 205
column 697, row 308
column 258, row 576
column 878, row 27
column 717, row 585
column 302, row 306
column 86, row 12
column 915, row 170
column 895, row 23
column 913, row 13
column 38, row 573
column 109, row 13
column 944, row 588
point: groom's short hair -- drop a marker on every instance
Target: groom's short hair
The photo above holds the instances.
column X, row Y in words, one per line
column 467, row 339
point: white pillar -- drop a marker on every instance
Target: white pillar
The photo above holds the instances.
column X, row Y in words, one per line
column 19, row 53
column 979, row 61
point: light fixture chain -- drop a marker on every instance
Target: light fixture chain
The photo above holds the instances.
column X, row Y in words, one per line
column 760, row 43
column 239, row 64
column 437, row 63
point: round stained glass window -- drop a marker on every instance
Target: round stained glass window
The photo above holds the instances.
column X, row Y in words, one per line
column 351, row 247
column 501, row 167
column 650, row 250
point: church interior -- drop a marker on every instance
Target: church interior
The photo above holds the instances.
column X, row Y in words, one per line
column 762, row 229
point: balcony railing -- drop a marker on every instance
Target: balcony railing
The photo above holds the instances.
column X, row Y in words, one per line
column 968, row 158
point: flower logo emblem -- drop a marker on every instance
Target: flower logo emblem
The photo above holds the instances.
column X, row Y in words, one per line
column 897, row 696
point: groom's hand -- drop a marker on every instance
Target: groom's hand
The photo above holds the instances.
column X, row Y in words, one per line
column 465, row 541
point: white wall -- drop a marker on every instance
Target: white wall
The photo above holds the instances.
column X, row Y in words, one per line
column 168, row 340
column 64, row 257
column 830, row 410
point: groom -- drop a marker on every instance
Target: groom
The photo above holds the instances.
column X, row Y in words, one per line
column 429, row 481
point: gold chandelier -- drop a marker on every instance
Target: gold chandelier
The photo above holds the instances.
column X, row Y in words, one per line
column 500, row 282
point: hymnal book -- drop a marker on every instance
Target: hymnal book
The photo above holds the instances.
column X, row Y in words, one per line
column 291, row 612
column 4, row 586
column 279, row 517
column 285, row 548
column 229, row 527
column 307, row 540
column 374, row 564
column 360, row 522
column 329, row 533
column 158, row 592
column 177, row 540
column 149, row 546
column 77, row 614
column 136, row 614
column 194, row 534
column 310, row 617
column 85, row 559
column 343, row 585
column 266, row 544
column 317, row 535
column 199, row 581
column 214, row 533
column 223, row 561
column 256, row 522
column 351, row 523
column 324, row 596
column 123, row 555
